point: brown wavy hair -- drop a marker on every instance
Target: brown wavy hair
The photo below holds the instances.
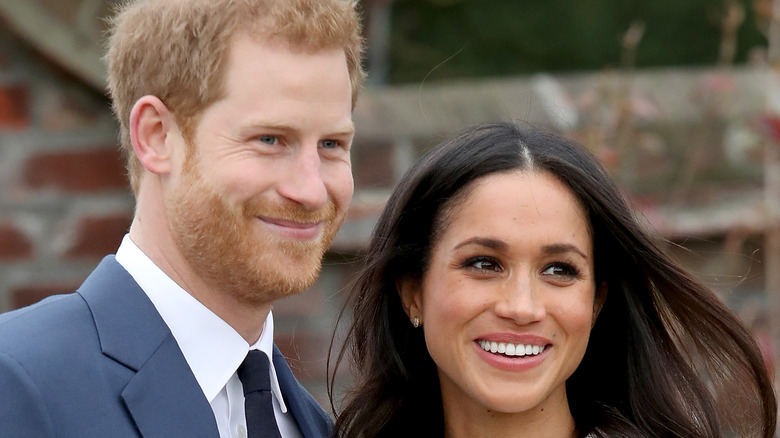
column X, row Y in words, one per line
column 666, row 357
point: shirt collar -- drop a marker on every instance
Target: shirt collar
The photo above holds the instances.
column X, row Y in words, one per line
column 212, row 348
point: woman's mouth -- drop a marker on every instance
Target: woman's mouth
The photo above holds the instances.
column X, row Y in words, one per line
column 509, row 349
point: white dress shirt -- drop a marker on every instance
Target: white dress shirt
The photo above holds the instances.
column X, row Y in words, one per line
column 212, row 348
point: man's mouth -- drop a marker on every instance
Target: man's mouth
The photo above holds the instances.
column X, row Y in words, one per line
column 289, row 223
column 294, row 229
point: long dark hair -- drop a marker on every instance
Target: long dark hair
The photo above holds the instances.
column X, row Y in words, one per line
column 666, row 357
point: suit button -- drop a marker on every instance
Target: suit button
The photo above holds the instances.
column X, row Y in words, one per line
column 241, row 431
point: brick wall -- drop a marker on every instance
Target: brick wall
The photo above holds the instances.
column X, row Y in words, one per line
column 63, row 196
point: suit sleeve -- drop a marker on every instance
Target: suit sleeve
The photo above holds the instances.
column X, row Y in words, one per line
column 23, row 412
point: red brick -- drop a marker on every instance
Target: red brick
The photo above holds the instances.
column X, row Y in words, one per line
column 26, row 295
column 14, row 107
column 98, row 236
column 14, row 243
column 76, row 171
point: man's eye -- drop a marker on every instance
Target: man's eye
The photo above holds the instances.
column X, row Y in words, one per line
column 329, row 144
column 268, row 139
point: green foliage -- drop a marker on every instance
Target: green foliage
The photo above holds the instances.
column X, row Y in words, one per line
column 473, row 38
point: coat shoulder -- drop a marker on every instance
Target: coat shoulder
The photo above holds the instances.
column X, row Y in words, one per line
column 51, row 325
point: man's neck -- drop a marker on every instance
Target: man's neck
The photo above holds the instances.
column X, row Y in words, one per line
column 246, row 318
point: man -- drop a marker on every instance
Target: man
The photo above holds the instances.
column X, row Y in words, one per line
column 236, row 119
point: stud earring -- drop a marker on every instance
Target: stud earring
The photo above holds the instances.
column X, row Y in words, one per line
column 416, row 322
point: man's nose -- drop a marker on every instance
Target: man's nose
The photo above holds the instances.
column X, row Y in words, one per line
column 303, row 182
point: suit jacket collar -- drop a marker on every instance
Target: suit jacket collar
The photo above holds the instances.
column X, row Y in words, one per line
column 163, row 396
column 311, row 419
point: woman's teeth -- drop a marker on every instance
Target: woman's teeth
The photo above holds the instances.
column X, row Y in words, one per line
column 511, row 349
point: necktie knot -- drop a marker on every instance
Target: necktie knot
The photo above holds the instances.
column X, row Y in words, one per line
column 254, row 372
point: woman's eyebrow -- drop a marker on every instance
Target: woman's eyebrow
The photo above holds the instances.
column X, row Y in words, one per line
column 483, row 241
column 560, row 248
column 493, row 243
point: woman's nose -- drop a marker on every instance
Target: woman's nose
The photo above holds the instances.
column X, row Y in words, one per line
column 520, row 301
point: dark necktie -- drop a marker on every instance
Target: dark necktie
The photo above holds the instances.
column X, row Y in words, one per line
column 255, row 377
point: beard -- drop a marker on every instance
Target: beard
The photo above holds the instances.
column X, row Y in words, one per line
column 234, row 253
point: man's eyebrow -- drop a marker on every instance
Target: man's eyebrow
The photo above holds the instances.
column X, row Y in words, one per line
column 340, row 131
column 344, row 131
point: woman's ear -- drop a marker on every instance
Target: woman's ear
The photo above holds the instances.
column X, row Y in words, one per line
column 410, row 291
column 150, row 125
column 598, row 301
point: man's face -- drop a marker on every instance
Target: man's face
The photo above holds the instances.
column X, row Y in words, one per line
column 257, row 204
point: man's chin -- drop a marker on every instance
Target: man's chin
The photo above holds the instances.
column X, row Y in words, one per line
column 299, row 248
column 286, row 284
column 288, row 275
column 285, row 268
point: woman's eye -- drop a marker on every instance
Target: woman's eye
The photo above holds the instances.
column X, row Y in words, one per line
column 268, row 139
column 484, row 264
column 561, row 270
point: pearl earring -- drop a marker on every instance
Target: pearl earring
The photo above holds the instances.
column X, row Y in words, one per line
column 416, row 322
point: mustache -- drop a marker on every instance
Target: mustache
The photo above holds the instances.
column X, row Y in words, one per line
column 290, row 211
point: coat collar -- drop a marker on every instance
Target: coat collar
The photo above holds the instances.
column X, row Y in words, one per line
column 311, row 419
column 163, row 396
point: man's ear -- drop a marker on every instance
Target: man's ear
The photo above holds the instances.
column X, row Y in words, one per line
column 598, row 301
column 410, row 291
column 150, row 125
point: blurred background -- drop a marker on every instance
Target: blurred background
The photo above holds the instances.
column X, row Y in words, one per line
column 679, row 99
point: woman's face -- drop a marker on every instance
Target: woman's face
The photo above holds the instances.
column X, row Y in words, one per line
column 507, row 303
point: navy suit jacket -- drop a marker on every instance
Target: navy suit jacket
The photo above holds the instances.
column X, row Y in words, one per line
column 102, row 363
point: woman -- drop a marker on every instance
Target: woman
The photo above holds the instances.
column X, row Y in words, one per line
column 508, row 291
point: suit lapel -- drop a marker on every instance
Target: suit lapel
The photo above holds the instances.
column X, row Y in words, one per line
column 311, row 419
column 165, row 400
column 163, row 396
